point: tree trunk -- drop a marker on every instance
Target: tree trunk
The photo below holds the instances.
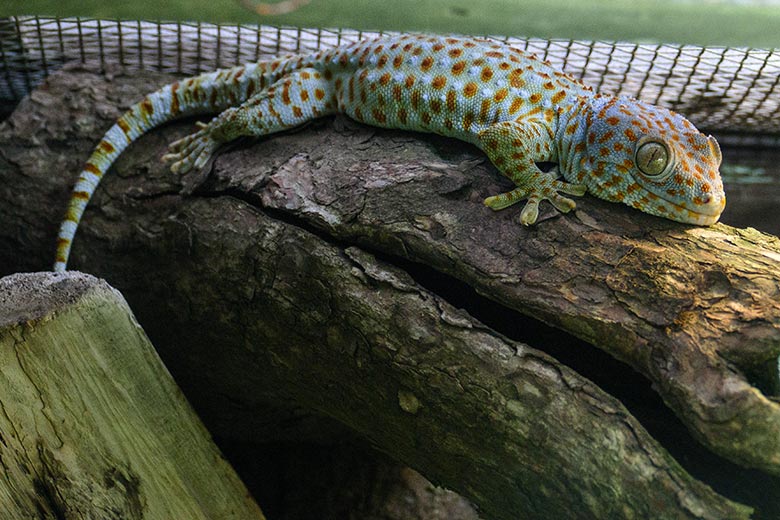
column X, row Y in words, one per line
column 92, row 424
column 263, row 286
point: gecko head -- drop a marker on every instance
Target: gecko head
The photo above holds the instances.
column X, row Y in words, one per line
column 654, row 160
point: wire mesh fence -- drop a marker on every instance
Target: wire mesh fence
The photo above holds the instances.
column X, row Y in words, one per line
column 723, row 90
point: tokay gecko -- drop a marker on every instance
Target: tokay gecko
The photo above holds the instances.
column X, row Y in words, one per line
column 518, row 109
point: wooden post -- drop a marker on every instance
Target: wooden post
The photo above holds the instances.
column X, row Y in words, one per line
column 91, row 423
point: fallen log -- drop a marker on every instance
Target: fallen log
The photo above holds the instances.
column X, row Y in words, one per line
column 259, row 265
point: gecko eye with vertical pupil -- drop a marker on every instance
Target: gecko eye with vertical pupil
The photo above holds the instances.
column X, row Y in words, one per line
column 652, row 158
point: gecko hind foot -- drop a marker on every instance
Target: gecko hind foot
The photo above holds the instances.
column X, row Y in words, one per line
column 192, row 151
column 530, row 211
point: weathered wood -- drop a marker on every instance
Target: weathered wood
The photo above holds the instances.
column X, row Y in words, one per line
column 92, row 425
column 272, row 313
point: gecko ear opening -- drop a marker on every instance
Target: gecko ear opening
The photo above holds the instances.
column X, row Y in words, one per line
column 715, row 149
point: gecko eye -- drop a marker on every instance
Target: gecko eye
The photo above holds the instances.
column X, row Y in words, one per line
column 652, row 158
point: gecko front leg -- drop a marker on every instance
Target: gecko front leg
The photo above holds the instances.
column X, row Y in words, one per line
column 291, row 101
column 515, row 147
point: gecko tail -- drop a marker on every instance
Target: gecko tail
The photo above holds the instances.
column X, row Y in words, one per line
column 207, row 93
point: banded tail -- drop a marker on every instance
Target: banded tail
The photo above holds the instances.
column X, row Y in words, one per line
column 207, row 93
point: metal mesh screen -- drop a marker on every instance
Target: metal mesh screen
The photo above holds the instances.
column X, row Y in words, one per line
column 722, row 90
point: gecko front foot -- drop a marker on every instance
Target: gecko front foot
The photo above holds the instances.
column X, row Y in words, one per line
column 192, row 151
column 547, row 189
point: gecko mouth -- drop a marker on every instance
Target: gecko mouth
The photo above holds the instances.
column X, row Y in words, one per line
column 704, row 213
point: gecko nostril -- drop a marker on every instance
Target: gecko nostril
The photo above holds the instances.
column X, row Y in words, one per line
column 706, row 199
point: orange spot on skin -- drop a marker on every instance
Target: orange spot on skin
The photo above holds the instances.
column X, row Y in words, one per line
column 630, row 134
column 379, row 115
column 504, row 65
column 319, row 94
column 448, row 123
column 580, row 147
column 409, row 81
column 605, row 152
column 286, row 94
column 437, row 47
column 458, row 67
column 415, row 99
column 558, row 97
column 175, row 108
column 454, row 53
column 436, row 106
column 487, row 73
column 385, row 78
column 304, row 95
column 382, row 61
column 397, row 92
column 451, row 99
column 468, row 120
column 500, row 95
column 426, row 64
column 402, row 115
column 439, row 82
column 516, row 104
column 304, row 75
column 483, row 110
column 609, row 134
column 147, row 108
column 398, row 61
column 549, row 85
column 358, row 114
column 106, row 147
column 494, row 54
column 470, row 89
column 82, row 195
column 426, row 118
column 91, row 168
column 536, row 97
column 516, row 78
column 297, row 112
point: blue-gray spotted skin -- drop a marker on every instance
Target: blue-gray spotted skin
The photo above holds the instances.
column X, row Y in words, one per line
column 518, row 109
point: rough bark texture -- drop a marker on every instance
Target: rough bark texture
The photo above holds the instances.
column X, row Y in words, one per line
column 92, row 424
column 254, row 291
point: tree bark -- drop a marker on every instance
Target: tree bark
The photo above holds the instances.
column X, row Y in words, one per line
column 258, row 288
column 92, row 424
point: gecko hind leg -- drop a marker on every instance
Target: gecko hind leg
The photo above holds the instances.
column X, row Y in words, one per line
column 294, row 99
